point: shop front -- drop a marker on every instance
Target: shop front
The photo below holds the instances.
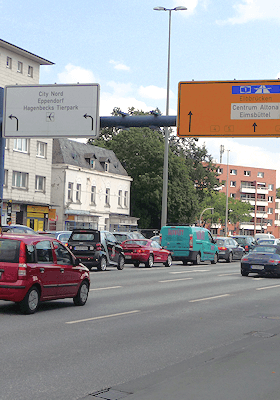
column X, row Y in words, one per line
column 37, row 217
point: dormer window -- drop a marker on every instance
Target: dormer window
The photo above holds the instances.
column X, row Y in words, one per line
column 92, row 163
column 106, row 166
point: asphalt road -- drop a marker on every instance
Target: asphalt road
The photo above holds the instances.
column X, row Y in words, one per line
column 139, row 328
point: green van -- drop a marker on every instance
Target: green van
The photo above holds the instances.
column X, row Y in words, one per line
column 189, row 243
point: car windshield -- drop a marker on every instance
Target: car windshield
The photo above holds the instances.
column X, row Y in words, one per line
column 86, row 236
column 220, row 242
column 265, row 249
column 241, row 240
column 9, row 250
column 266, row 241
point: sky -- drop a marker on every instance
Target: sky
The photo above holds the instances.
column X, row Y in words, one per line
column 122, row 46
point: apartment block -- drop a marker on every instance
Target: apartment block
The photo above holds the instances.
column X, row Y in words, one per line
column 256, row 186
column 27, row 162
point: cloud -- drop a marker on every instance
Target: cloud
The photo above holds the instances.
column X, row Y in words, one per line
column 120, row 89
column 119, row 66
column 154, row 92
column 74, row 74
column 251, row 10
column 191, row 5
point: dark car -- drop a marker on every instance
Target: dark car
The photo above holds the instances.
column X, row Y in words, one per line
column 247, row 242
column 36, row 268
column 145, row 251
column 96, row 248
column 122, row 236
column 263, row 259
column 229, row 249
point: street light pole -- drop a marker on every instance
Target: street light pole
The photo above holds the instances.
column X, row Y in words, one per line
column 226, row 221
column 166, row 129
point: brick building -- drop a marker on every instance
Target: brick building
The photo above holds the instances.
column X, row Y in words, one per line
column 256, row 186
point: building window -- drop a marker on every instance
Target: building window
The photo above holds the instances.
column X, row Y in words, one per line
column 120, row 198
column 30, row 71
column 270, row 211
column 107, row 197
column 270, row 187
column 232, row 183
column 21, row 145
column 92, row 163
column 5, row 178
column 269, row 222
column 93, row 195
column 260, row 175
column 247, row 173
column 20, row 179
column 70, row 191
column 125, row 200
column 106, row 167
column 219, row 170
column 9, row 63
column 270, row 199
column 233, row 172
column 78, row 192
column 233, row 195
column 40, row 183
column 41, row 149
column 19, row 67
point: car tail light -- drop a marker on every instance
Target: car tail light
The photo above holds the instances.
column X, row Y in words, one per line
column 98, row 247
column 191, row 241
column 245, row 259
column 222, row 248
column 246, row 247
column 22, row 267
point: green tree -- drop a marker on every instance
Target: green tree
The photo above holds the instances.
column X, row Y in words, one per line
column 278, row 193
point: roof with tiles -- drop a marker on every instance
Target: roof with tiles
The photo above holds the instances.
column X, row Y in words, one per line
column 70, row 152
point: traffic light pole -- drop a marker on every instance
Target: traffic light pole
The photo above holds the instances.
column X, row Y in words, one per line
column 2, row 153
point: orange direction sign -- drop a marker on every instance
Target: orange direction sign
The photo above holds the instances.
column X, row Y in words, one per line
column 229, row 108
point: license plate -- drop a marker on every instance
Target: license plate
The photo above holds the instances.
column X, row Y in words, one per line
column 128, row 257
column 81, row 247
column 257, row 266
column 222, row 252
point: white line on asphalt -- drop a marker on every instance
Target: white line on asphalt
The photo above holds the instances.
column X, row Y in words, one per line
column 103, row 316
column 267, row 287
column 235, row 273
column 209, row 298
column 174, row 280
column 187, row 272
column 105, row 288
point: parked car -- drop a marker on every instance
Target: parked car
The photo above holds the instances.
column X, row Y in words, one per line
column 229, row 249
column 145, row 251
column 263, row 259
column 16, row 228
column 122, row 236
column 156, row 238
column 96, row 248
column 246, row 241
column 189, row 243
column 63, row 236
column 36, row 268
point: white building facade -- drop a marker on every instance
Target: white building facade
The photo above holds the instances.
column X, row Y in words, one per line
column 90, row 188
column 27, row 164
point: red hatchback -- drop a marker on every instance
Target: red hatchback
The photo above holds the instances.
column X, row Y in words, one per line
column 145, row 251
column 36, row 268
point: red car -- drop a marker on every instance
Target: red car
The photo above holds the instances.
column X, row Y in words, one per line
column 145, row 251
column 36, row 268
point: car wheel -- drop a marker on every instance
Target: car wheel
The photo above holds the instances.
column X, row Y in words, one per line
column 120, row 262
column 150, row 261
column 136, row 264
column 197, row 260
column 243, row 273
column 215, row 259
column 30, row 303
column 229, row 259
column 102, row 266
column 82, row 295
column 168, row 262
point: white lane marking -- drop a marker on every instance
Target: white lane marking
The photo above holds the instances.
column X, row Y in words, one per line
column 234, row 273
column 174, row 280
column 103, row 316
column 209, row 298
column 188, row 272
column 267, row 287
column 105, row 288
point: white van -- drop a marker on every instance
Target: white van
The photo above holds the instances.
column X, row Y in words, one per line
column 263, row 236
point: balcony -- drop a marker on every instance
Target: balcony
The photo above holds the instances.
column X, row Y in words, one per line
column 248, row 188
column 260, row 202
column 250, row 225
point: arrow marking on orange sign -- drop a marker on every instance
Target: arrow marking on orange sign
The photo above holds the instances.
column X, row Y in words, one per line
column 254, row 125
column 190, row 121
